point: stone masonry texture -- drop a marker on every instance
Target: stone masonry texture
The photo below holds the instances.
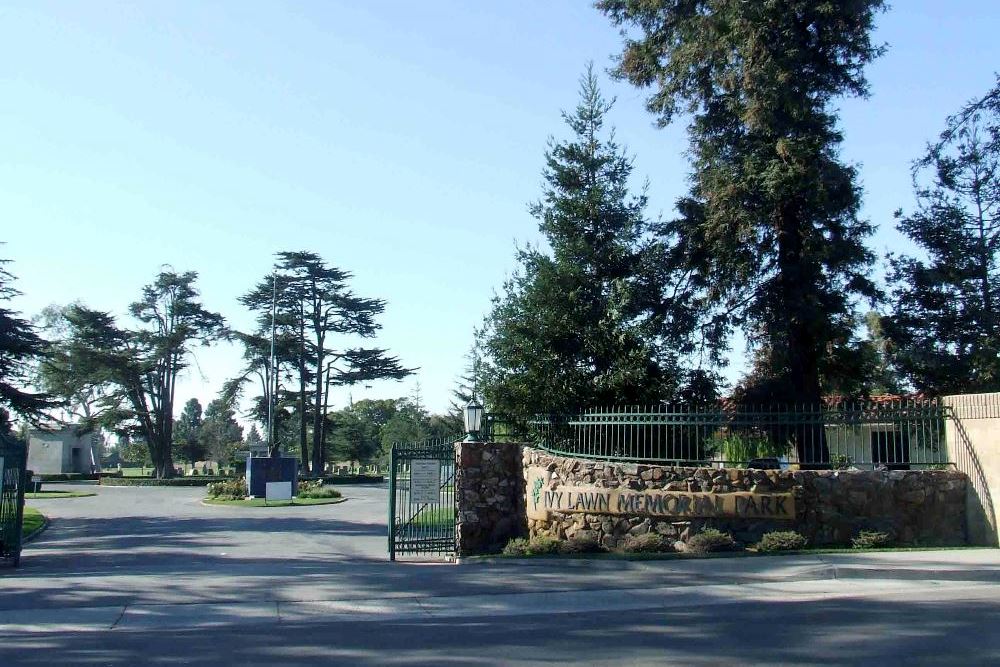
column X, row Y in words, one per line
column 489, row 493
column 916, row 507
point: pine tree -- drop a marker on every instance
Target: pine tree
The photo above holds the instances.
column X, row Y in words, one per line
column 944, row 328
column 20, row 349
column 134, row 371
column 581, row 324
column 770, row 233
column 187, row 432
column 314, row 308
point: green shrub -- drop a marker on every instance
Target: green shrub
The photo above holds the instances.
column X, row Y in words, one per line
column 737, row 448
column 782, row 540
column 516, row 547
column 230, row 489
column 711, row 540
column 872, row 539
column 315, row 489
column 152, row 481
column 541, row 545
column 649, row 543
column 581, row 545
column 841, row 462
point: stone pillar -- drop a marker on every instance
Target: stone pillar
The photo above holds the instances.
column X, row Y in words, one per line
column 489, row 495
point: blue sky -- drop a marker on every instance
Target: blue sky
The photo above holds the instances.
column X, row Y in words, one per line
column 401, row 141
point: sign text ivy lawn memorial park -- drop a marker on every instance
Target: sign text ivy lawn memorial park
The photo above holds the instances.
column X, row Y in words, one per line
column 544, row 496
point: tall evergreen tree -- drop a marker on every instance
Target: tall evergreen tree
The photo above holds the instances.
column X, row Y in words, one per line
column 187, row 432
column 770, row 232
column 135, row 370
column 944, row 328
column 220, row 434
column 20, row 350
column 581, row 325
column 314, row 308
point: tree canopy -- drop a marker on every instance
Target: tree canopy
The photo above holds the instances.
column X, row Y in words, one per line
column 317, row 318
column 135, row 369
column 770, row 233
column 585, row 321
column 21, row 348
column 944, row 329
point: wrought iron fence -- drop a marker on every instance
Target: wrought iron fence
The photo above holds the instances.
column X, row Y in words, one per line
column 422, row 511
column 13, row 457
column 898, row 434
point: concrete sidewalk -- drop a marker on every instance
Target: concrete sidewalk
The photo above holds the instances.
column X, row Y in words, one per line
column 964, row 574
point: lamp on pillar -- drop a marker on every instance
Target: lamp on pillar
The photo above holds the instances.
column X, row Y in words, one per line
column 473, row 421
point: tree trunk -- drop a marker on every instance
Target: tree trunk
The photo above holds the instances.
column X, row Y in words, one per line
column 318, row 413
column 797, row 279
column 303, row 444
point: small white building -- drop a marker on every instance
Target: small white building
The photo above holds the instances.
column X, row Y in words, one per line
column 63, row 450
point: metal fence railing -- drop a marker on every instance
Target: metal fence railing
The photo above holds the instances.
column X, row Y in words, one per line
column 13, row 458
column 898, row 434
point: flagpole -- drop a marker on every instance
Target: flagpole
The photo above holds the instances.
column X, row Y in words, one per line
column 274, row 374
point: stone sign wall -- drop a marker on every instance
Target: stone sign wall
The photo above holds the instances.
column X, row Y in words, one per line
column 506, row 490
column 489, row 496
column 567, row 497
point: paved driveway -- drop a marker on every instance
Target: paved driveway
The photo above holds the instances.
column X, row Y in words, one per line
column 139, row 576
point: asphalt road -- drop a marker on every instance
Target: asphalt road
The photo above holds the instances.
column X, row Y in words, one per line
column 151, row 576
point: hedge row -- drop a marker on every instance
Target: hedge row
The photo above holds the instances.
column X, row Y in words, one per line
column 202, row 480
column 353, row 479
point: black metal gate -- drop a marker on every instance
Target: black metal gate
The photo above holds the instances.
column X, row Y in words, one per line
column 422, row 498
column 13, row 457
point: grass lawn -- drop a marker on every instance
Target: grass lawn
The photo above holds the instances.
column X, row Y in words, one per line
column 33, row 520
column 260, row 502
column 434, row 517
column 46, row 495
column 137, row 472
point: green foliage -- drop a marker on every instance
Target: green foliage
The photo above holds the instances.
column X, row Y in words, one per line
column 315, row 489
column 581, row 545
column 134, row 371
column 314, row 306
column 647, row 543
column 220, row 435
column 711, row 540
column 872, row 539
column 230, row 489
column 541, row 545
column 841, row 462
column 770, row 236
column 738, row 447
column 203, row 480
column 133, row 450
column 588, row 322
column 20, row 349
column 187, row 433
column 32, row 520
column 944, row 329
column 782, row 540
column 516, row 547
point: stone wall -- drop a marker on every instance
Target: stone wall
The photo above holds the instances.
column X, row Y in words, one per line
column 830, row 507
column 489, row 496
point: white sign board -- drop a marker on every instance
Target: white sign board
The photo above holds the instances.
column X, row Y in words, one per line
column 278, row 491
column 425, row 481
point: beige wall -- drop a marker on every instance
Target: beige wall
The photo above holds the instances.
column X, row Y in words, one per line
column 973, row 437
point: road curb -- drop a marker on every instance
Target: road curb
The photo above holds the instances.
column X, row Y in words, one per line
column 36, row 532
